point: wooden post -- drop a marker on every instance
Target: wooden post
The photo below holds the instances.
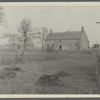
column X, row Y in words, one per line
column 98, row 72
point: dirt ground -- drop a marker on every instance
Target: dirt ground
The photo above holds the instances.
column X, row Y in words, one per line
column 81, row 67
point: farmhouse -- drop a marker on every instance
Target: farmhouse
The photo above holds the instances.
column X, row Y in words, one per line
column 70, row 40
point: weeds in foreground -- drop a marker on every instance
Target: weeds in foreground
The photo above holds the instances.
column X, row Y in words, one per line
column 7, row 73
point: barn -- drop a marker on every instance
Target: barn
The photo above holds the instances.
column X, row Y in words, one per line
column 69, row 40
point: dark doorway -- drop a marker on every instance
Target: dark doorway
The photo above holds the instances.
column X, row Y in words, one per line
column 60, row 47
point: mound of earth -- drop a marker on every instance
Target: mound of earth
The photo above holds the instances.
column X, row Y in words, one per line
column 7, row 73
column 62, row 74
column 16, row 69
column 49, row 80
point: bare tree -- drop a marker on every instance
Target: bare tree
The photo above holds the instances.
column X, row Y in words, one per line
column 12, row 38
column 3, row 21
column 2, row 15
column 42, row 32
column 25, row 30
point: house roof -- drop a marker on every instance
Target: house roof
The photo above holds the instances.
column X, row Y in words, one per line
column 64, row 35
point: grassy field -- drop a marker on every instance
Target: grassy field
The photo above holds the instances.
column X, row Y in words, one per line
column 81, row 67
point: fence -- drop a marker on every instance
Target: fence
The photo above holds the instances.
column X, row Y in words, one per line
column 78, row 51
column 89, row 52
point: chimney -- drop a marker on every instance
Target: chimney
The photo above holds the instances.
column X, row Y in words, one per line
column 50, row 30
column 82, row 29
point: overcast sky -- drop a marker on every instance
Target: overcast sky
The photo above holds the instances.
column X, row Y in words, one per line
column 58, row 18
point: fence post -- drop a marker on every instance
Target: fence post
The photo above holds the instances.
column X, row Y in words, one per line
column 98, row 72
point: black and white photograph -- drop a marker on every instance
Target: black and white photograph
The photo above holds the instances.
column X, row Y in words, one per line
column 50, row 48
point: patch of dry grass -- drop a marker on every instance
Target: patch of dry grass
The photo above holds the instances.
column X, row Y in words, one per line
column 78, row 71
column 7, row 73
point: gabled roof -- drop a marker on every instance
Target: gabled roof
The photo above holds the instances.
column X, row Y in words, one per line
column 64, row 35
